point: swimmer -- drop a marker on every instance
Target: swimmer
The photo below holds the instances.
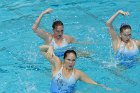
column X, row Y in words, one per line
column 57, row 39
column 64, row 75
column 124, row 46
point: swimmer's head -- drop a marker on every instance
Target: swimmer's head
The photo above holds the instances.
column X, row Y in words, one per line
column 70, row 59
column 57, row 23
column 124, row 26
column 58, row 28
column 125, row 32
column 69, row 51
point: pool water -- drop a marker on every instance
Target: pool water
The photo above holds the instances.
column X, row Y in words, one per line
column 23, row 69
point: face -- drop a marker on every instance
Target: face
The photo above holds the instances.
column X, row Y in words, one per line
column 69, row 61
column 58, row 31
column 126, row 35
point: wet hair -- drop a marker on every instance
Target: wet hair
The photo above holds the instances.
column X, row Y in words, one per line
column 69, row 51
column 57, row 23
column 124, row 26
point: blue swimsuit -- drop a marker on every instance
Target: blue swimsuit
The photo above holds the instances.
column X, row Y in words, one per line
column 59, row 50
column 55, row 46
column 126, row 56
column 60, row 84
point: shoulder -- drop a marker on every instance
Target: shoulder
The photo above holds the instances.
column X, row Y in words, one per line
column 50, row 37
column 69, row 38
column 137, row 43
column 77, row 73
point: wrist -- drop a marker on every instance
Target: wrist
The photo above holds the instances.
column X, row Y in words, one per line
column 118, row 12
column 42, row 14
column 98, row 84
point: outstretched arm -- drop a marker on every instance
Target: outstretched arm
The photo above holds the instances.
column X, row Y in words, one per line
column 72, row 40
column 39, row 32
column 80, row 42
column 112, row 32
column 49, row 54
column 85, row 78
column 83, row 43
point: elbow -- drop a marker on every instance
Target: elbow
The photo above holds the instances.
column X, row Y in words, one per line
column 108, row 23
column 34, row 28
column 73, row 40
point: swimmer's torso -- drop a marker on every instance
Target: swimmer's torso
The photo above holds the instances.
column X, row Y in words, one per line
column 127, row 56
column 63, row 44
column 60, row 84
column 126, row 53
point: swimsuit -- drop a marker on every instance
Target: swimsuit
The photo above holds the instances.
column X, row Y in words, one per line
column 60, row 84
column 55, row 46
column 58, row 50
column 126, row 56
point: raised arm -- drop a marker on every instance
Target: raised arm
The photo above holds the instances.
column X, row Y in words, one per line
column 112, row 32
column 83, row 77
column 39, row 32
column 50, row 56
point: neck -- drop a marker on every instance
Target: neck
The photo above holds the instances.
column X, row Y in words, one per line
column 68, row 70
column 129, row 41
column 58, row 38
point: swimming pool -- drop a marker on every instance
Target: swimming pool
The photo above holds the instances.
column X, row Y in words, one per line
column 23, row 69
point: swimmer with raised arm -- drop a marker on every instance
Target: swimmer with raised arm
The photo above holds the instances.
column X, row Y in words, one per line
column 58, row 40
column 64, row 75
column 124, row 46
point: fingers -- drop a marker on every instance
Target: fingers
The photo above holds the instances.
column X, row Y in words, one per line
column 108, row 88
column 105, row 87
column 48, row 10
column 49, row 55
column 50, row 51
column 123, row 12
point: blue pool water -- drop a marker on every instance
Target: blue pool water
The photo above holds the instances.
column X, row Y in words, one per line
column 23, row 69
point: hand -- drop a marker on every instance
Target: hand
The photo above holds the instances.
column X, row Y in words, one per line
column 123, row 13
column 48, row 10
column 44, row 48
column 50, row 51
column 104, row 87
